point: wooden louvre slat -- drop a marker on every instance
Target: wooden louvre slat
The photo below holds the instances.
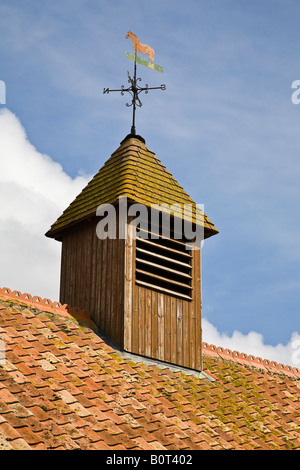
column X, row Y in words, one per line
column 163, row 289
column 176, row 241
column 155, row 255
column 160, row 266
column 165, row 279
column 164, row 247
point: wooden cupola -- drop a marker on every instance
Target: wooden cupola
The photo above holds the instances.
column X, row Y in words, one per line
column 143, row 289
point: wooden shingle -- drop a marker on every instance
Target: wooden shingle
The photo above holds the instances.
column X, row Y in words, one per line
column 132, row 171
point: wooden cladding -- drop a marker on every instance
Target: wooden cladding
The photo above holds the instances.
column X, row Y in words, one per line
column 164, row 264
column 160, row 322
column 92, row 277
column 163, row 300
column 142, row 292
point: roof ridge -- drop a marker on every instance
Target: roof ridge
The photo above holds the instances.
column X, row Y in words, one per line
column 208, row 349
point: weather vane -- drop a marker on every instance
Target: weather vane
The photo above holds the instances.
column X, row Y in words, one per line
column 134, row 89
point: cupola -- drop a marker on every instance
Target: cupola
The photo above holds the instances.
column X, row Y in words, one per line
column 131, row 248
column 126, row 256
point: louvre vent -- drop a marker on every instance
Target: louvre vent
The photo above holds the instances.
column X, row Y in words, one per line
column 164, row 264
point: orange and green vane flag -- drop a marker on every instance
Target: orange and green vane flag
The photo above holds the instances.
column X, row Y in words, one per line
column 135, row 89
column 145, row 49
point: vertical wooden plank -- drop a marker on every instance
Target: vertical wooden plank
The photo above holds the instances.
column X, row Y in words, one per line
column 128, row 268
column 186, row 333
column 154, row 325
column 193, row 320
column 167, row 325
column 120, row 291
column 198, row 307
column 67, row 280
column 179, row 347
column 72, row 267
column 68, row 272
column 135, row 302
column 87, row 272
column 142, row 308
column 78, row 256
column 109, row 259
column 98, row 277
column 81, row 273
column 161, row 327
column 135, row 319
column 103, row 284
column 63, row 270
column 173, row 330
column 148, row 323
column 92, row 285
column 93, row 281
column 117, row 288
column 116, row 291
column 113, row 266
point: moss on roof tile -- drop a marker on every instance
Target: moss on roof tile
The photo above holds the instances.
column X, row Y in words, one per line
column 69, row 374
column 132, row 171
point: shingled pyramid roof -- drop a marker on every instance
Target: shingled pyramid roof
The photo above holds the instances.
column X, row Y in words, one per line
column 132, row 171
column 62, row 387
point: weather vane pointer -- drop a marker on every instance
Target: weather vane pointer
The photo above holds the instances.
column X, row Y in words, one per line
column 139, row 47
column 134, row 89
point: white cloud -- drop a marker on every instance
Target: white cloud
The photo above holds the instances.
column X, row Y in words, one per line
column 34, row 190
column 253, row 343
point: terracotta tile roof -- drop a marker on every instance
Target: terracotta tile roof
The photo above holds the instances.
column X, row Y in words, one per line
column 132, row 171
column 62, row 386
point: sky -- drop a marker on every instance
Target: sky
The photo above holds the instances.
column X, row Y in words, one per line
column 226, row 127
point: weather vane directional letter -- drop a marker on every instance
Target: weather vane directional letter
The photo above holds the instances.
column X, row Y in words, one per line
column 134, row 89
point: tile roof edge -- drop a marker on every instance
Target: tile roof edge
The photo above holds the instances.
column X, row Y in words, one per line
column 250, row 360
column 46, row 305
column 208, row 349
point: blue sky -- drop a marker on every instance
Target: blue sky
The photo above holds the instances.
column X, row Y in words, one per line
column 225, row 127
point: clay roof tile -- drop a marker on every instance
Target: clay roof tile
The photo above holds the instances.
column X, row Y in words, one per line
column 62, row 387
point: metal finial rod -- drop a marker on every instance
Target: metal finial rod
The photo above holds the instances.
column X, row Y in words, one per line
column 135, row 97
column 134, row 90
